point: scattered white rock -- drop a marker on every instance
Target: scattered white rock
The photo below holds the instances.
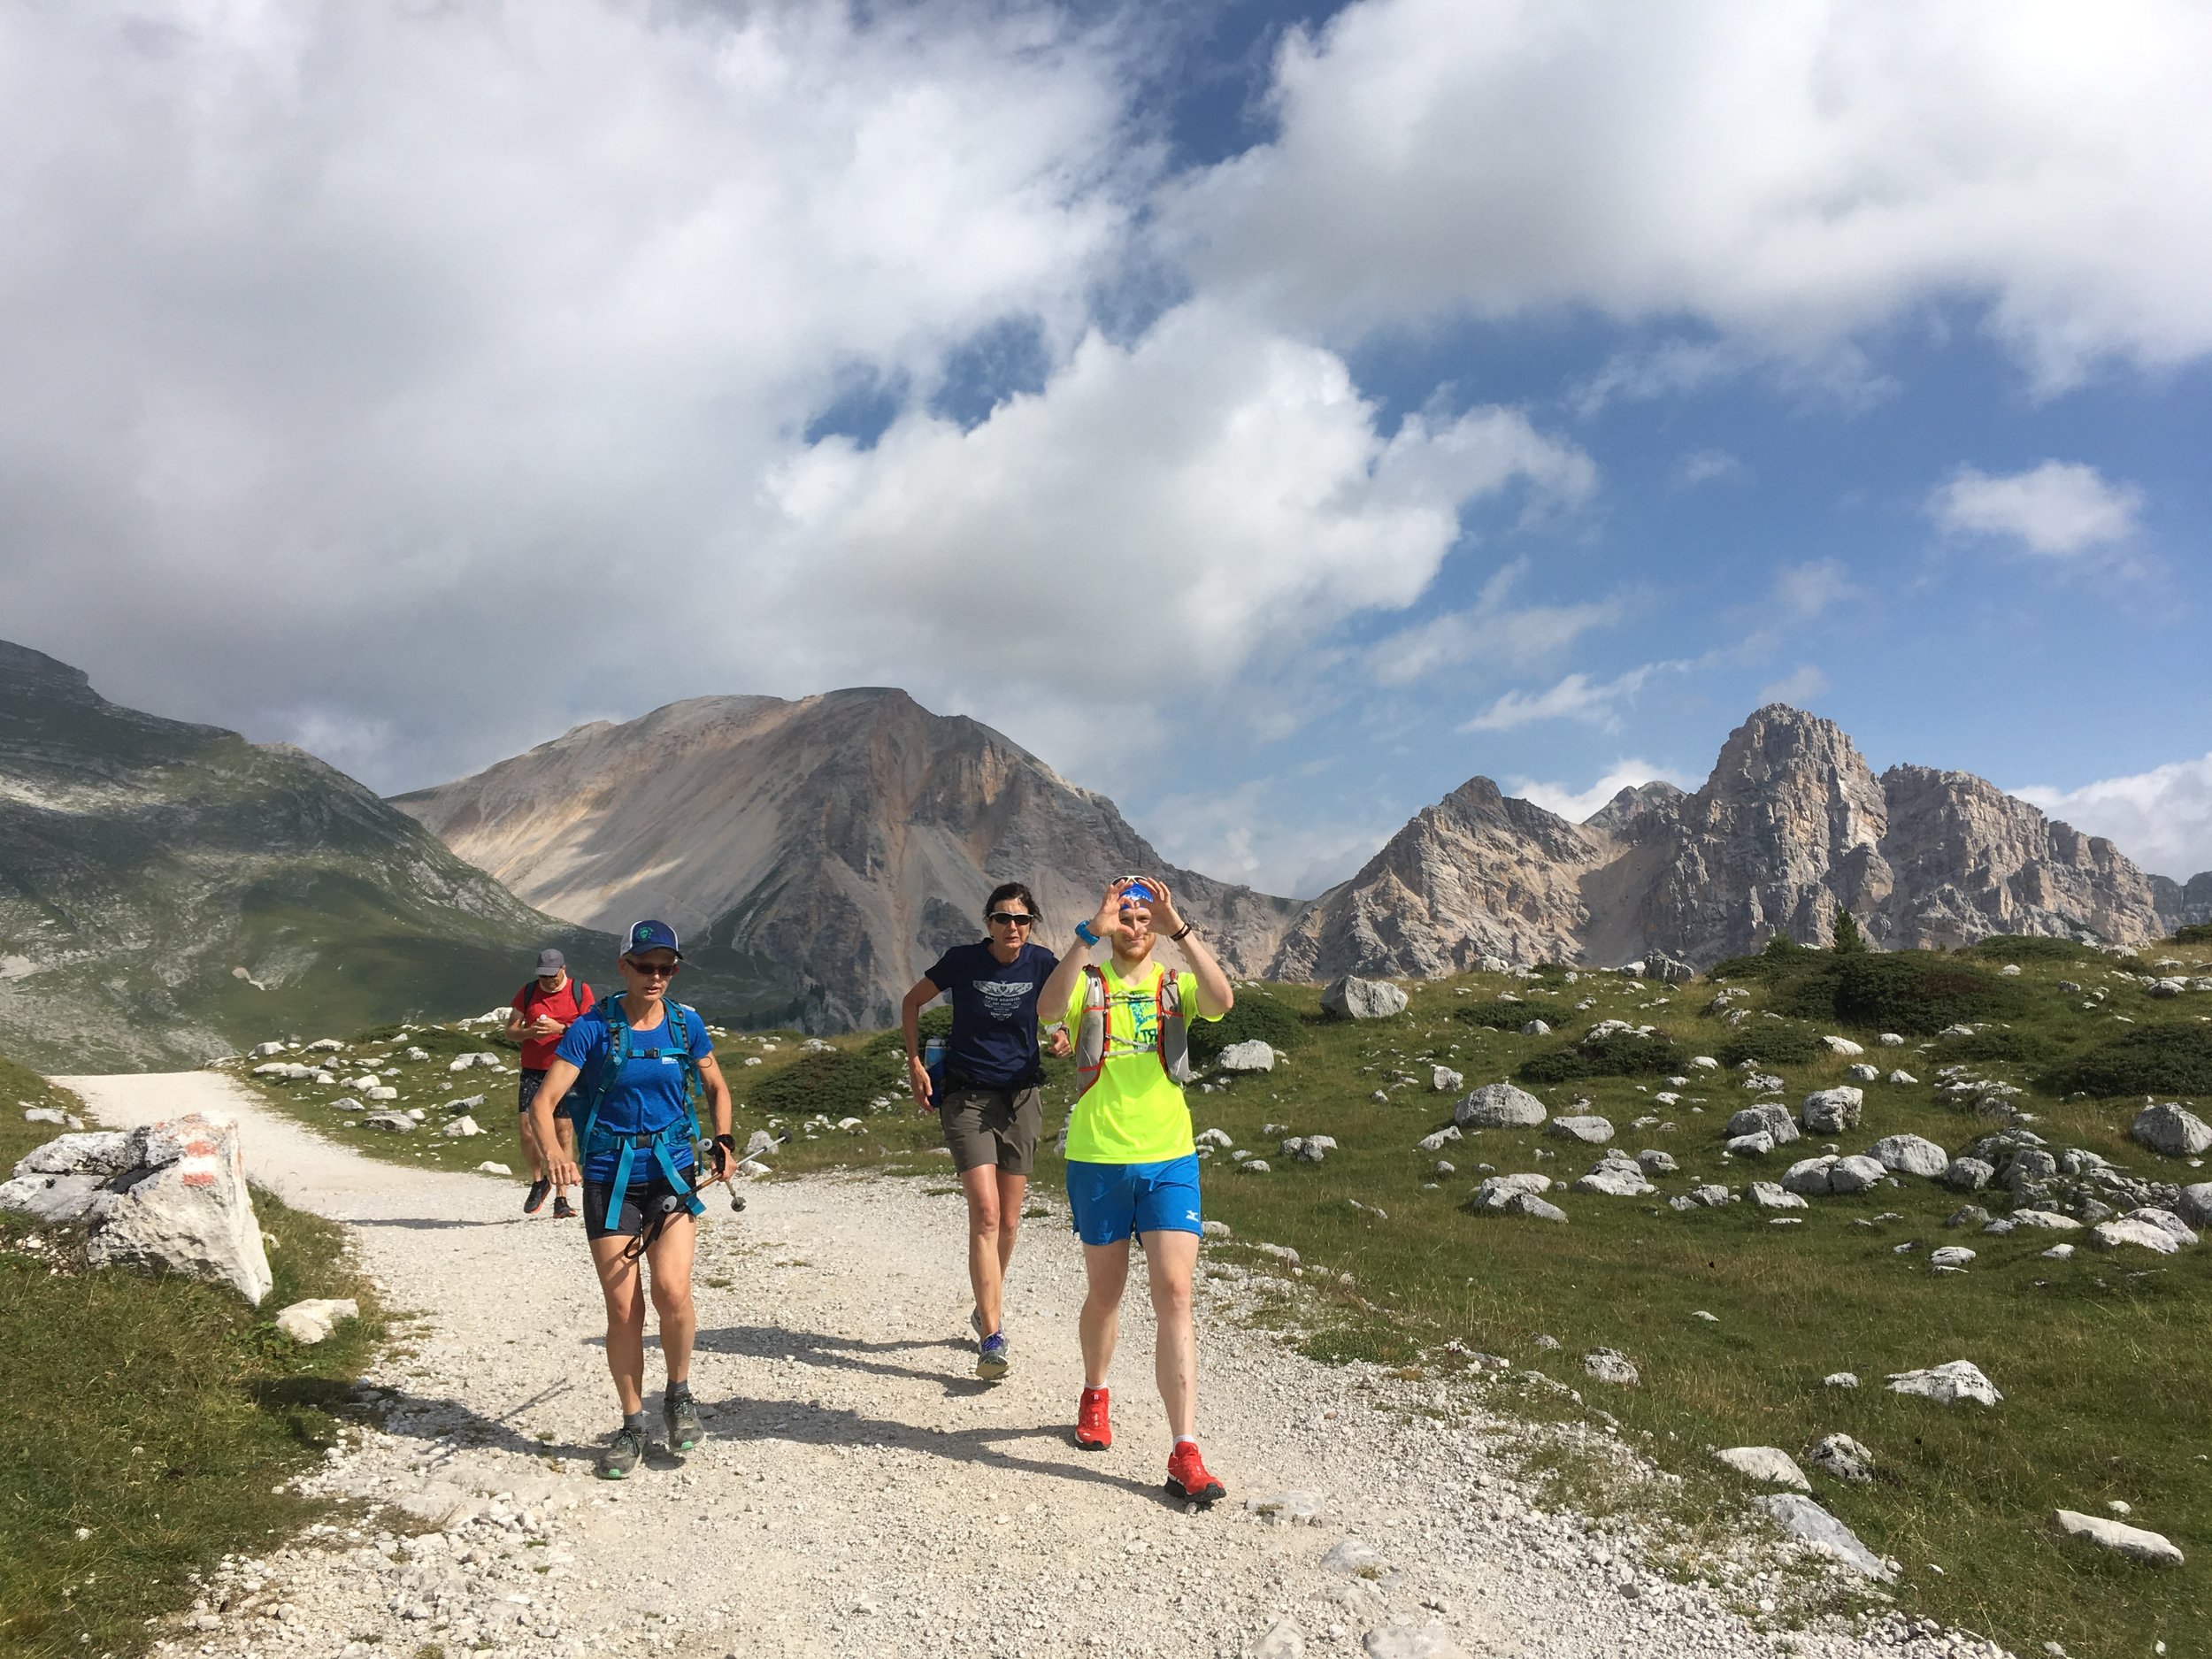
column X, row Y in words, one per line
column 1499, row 1106
column 1444, row 1080
column 1403, row 1641
column 1947, row 1384
column 1438, row 1141
column 1800, row 1517
column 1769, row 1464
column 2130, row 1230
column 1951, row 1257
column 462, row 1127
column 1839, row 1380
column 2172, row 1130
column 1830, row 1111
column 1841, row 1457
column 489, row 1167
column 310, row 1322
column 1586, row 1127
column 1355, row 998
column 171, row 1196
column 2155, row 1549
column 1251, row 1056
column 1911, row 1155
column 1842, row 1045
column 1767, row 1195
column 1609, row 1365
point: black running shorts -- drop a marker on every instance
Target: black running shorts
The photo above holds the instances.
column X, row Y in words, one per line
column 641, row 1201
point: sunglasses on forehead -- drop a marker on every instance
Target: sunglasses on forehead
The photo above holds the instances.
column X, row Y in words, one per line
column 1010, row 918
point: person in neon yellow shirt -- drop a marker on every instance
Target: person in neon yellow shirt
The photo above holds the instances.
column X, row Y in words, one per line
column 1132, row 1168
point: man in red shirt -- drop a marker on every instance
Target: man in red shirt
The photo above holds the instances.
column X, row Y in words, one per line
column 544, row 1008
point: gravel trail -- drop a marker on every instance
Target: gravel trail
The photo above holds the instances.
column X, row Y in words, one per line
column 860, row 1493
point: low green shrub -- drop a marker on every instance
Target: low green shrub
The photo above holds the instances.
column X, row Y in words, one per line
column 2150, row 1060
column 1513, row 1016
column 837, row 1084
column 1913, row 992
column 1783, row 958
column 2195, row 934
column 1254, row 1014
column 1617, row 1054
column 2032, row 948
column 1766, row 1042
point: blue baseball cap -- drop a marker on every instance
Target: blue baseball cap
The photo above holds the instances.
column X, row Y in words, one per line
column 645, row 936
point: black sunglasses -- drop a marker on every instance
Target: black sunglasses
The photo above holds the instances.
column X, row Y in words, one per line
column 1010, row 918
column 653, row 970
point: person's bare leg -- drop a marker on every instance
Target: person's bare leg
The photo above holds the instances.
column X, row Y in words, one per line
column 669, row 1258
column 1106, row 1266
column 531, row 1156
column 1171, row 1258
column 1012, row 1190
column 986, row 1262
column 626, row 1321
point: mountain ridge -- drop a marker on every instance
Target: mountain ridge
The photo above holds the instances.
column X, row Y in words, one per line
column 850, row 835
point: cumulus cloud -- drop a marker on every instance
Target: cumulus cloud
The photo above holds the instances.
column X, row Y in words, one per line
column 1577, row 805
column 434, row 359
column 2162, row 818
column 1785, row 174
column 2058, row 509
column 1177, row 503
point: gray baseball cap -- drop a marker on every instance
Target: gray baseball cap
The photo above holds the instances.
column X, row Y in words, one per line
column 550, row 962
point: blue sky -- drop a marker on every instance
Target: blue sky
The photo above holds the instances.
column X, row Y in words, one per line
column 1271, row 414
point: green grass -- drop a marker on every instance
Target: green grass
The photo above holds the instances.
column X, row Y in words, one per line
column 2098, row 1357
column 154, row 1414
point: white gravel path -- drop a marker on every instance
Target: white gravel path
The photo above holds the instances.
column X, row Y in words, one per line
column 860, row 1493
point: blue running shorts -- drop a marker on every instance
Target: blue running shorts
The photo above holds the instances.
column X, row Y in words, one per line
column 1111, row 1201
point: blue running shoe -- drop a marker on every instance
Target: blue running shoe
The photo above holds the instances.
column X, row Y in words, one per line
column 990, row 1360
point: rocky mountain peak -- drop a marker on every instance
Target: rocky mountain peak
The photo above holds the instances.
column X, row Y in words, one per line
column 847, row 838
column 27, row 672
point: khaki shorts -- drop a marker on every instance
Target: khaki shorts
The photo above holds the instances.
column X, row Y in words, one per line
column 993, row 1128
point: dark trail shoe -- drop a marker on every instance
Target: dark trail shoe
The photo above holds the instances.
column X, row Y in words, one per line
column 534, row 1200
column 685, row 1431
column 623, row 1453
column 562, row 1210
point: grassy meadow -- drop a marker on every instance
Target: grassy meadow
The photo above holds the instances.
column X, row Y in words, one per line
column 148, row 1420
column 2099, row 1357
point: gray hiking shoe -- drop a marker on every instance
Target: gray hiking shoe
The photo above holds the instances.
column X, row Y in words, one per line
column 623, row 1453
column 681, row 1414
column 991, row 1360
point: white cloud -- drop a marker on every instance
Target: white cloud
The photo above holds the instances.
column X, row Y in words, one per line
column 1785, row 174
column 2161, row 818
column 1802, row 592
column 1711, row 466
column 1576, row 697
column 2058, row 509
column 434, row 359
column 1577, row 805
column 1492, row 630
column 1178, row 502
column 1797, row 687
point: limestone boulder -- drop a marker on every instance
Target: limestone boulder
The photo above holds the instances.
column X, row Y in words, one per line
column 1499, row 1106
column 1352, row 997
column 169, row 1197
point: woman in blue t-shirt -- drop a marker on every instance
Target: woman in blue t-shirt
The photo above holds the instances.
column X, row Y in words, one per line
column 991, row 1109
column 638, row 1171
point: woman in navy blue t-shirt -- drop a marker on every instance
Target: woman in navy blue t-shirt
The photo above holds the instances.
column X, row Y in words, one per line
column 990, row 1107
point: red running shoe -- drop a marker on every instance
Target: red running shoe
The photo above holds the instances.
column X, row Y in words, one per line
column 1187, row 1475
column 1092, row 1432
